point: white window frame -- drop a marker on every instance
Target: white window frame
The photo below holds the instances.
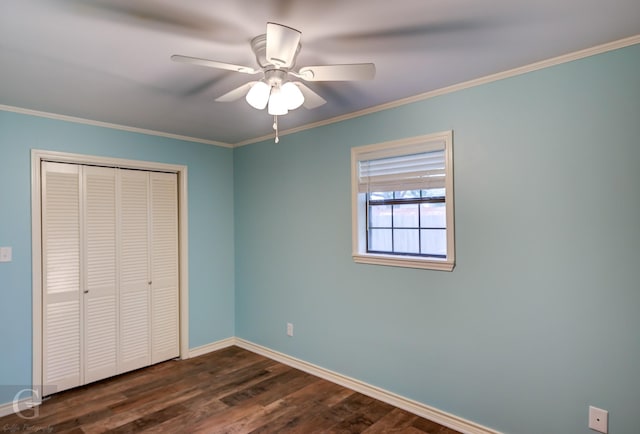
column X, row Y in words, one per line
column 406, row 146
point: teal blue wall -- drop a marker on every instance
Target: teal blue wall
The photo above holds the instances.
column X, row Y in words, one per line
column 538, row 320
column 211, row 243
column 541, row 316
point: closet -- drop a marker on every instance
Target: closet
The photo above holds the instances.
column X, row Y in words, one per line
column 110, row 294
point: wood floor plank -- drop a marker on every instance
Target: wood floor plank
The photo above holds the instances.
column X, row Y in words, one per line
column 431, row 427
column 396, row 421
column 363, row 411
column 229, row 391
column 302, row 405
column 124, row 415
column 270, row 389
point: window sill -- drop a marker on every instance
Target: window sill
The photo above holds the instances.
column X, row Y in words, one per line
column 409, row 262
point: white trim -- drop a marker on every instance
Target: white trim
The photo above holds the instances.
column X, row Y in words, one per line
column 415, row 407
column 214, row 346
column 6, row 409
column 122, row 163
column 36, row 278
column 10, row 407
column 402, row 261
column 91, row 122
column 403, row 146
column 565, row 58
column 183, row 255
column 37, row 156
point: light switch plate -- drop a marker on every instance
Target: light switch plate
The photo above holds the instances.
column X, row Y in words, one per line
column 5, row 254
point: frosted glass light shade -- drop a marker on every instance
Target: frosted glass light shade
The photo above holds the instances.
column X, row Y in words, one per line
column 277, row 102
column 292, row 95
column 258, row 95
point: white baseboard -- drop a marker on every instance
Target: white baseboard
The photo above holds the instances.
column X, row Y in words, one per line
column 10, row 407
column 214, row 346
column 6, row 409
column 417, row 408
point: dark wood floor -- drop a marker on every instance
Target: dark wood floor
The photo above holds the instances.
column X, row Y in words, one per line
column 228, row 391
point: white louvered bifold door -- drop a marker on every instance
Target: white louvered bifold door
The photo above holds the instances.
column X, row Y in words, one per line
column 135, row 318
column 164, row 267
column 61, row 297
column 110, row 272
column 100, row 277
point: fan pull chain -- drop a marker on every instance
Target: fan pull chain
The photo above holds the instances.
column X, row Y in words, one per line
column 275, row 127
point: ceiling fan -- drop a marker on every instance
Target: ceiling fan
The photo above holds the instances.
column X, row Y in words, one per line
column 277, row 90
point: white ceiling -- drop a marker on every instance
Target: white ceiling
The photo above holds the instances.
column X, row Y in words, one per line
column 109, row 61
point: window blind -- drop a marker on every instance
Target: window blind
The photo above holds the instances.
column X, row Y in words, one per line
column 403, row 172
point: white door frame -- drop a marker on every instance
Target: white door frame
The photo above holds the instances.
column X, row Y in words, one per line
column 37, row 156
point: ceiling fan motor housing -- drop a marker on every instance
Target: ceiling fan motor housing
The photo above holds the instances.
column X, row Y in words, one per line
column 259, row 47
column 275, row 77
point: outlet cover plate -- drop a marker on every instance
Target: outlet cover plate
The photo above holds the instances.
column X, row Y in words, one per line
column 598, row 419
column 5, row 254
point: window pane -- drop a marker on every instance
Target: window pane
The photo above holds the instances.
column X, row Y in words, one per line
column 433, row 215
column 380, row 216
column 405, row 216
column 433, row 192
column 405, row 241
column 380, row 240
column 381, row 195
column 433, row 242
column 407, row 194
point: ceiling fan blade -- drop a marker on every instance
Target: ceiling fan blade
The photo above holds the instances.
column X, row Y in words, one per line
column 159, row 16
column 404, row 38
column 236, row 93
column 213, row 64
column 283, row 44
column 349, row 72
column 311, row 99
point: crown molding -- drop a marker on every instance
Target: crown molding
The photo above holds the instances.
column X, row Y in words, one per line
column 599, row 49
column 565, row 58
column 91, row 122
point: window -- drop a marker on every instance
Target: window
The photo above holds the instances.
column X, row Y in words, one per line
column 403, row 202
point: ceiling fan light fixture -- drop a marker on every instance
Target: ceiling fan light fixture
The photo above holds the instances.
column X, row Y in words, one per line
column 258, row 95
column 276, row 52
column 292, row 95
column 277, row 102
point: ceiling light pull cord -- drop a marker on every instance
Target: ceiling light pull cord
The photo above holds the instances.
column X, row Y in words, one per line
column 275, row 127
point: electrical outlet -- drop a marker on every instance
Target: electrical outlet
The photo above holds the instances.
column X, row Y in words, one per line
column 598, row 419
column 289, row 329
